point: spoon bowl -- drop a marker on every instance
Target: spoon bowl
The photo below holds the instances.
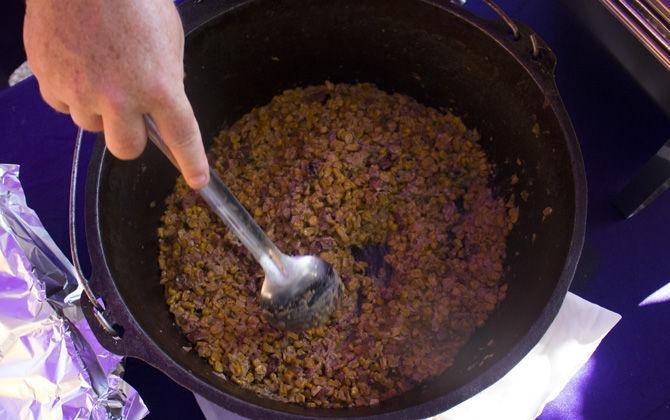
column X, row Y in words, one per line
column 303, row 296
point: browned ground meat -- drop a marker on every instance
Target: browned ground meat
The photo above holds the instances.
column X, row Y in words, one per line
column 345, row 172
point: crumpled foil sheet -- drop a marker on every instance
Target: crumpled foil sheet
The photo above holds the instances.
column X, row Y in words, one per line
column 20, row 74
column 51, row 365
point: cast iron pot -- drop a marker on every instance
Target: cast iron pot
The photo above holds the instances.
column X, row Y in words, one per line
column 241, row 54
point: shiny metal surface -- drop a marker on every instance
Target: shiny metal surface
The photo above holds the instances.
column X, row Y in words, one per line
column 51, row 364
column 648, row 21
column 98, row 309
column 514, row 28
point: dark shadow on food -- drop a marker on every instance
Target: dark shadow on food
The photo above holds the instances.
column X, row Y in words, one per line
column 377, row 268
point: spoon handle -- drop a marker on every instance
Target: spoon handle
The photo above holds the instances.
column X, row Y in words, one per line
column 224, row 203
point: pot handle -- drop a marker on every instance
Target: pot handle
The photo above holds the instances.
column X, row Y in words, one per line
column 539, row 50
column 120, row 333
column 97, row 308
column 514, row 28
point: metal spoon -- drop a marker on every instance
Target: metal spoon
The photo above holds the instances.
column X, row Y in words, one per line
column 298, row 291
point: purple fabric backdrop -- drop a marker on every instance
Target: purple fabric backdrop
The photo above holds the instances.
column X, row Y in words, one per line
column 623, row 262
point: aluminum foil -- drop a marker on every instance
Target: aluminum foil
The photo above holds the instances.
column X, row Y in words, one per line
column 51, row 365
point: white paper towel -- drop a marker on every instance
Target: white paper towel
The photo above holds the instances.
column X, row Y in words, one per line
column 568, row 343
column 522, row 394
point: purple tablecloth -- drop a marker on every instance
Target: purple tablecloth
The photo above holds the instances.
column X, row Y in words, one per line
column 623, row 261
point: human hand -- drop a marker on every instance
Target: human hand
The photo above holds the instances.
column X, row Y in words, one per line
column 107, row 63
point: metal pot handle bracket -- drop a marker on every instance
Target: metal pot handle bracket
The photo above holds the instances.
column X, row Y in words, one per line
column 539, row 52
column 97, row 306
column 514, row 28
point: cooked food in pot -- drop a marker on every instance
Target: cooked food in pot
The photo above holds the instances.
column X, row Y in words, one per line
column 394, row 194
